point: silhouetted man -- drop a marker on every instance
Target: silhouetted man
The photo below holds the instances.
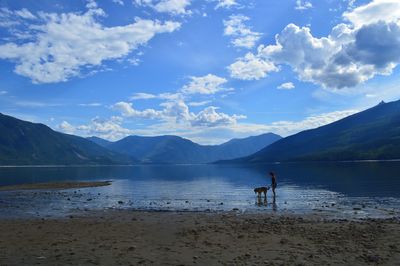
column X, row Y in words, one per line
column 273, row 182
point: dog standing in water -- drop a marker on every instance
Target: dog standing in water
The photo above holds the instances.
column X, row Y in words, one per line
column 260, row 190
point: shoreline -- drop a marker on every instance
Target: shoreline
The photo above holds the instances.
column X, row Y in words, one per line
column 55, row 186
column 125, row 237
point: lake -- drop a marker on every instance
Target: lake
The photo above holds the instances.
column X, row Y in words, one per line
column 338, row 190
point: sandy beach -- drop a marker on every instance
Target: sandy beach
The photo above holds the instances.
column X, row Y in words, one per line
column 124, row 237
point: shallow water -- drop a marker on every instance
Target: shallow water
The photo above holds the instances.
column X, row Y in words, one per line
column 335, row 190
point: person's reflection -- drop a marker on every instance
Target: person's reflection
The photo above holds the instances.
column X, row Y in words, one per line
column 274, row 206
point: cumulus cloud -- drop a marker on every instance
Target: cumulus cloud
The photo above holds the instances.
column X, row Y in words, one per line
column 351, row 54
column 375, row 11
column 176, row 111
column 128, row 110
column 226, row 4
column 110, row 129
column 209, row 117
column 251, row 67
column 242, row 35
column 174, row 7
column 286, row 86
column 66, row 127
column 302, row 5
column 209, row 84
column 65, row 44
column 106, row 128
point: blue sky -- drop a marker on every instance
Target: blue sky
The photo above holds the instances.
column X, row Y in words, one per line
column 207, row 70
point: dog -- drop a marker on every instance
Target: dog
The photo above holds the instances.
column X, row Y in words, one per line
column 260, row 190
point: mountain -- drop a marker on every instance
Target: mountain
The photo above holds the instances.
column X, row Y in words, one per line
column 28, row 143
column 373, row 134
column 99, row 141
column 236, row 148
column 160, row 149
column 174, row 149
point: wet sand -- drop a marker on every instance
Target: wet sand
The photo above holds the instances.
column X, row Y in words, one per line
column 124, row 237
column 55, row 185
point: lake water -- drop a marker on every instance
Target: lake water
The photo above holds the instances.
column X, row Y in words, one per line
column 338, row 190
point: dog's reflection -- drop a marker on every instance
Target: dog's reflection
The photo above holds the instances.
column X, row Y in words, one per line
column 261, row 201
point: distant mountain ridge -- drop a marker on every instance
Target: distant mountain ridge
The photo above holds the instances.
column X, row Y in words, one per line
column 174, row 149
column 29, row 143
column 373, row 134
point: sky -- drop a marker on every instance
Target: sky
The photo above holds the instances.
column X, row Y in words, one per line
column 206, row 70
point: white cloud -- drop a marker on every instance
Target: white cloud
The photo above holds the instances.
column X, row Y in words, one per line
column 66, row 127
column 90, row 104
column 286, row 86
column 105, row 128
column 291, row 127
column 242, row 35
column 128, row 110
column 251, row 67
column 65, row 44
column 176, row 111
column 302, row 5
column 195, row 104
column 3, row 92
column 375, row 11
column 110, row 129
column 286, row 128
column 208, row 126
column 209, row 117
column 209, row 84
column 226, row 4
column 35, row 104
column 174, row 7
column 350, row 55
column 142, row 96
column 9, row 18
column 25, row 13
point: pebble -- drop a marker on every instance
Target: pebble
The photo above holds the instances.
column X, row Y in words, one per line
column 284, row 241
column 373, row 258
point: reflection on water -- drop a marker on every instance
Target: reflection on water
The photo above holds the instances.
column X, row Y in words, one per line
column 344, row 189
